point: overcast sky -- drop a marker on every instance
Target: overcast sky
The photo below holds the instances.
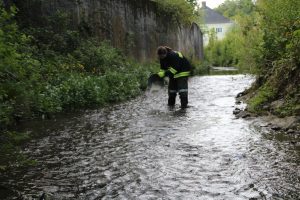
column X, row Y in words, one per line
column 211, row 3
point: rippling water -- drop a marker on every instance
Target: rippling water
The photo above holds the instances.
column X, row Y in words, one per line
column 143, row 150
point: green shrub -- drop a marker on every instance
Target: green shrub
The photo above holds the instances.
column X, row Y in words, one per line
column 97, row 58
column 142, row 72
column 19, row 71
column 263, row 96
column 290, row 107
column 52, row 33
column 265, row 41
column 200, row 68
column 38, row 78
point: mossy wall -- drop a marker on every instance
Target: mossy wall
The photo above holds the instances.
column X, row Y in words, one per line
column 136, row 26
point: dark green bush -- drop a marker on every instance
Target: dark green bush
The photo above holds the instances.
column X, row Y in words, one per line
column 19, row 71
column 98, row 58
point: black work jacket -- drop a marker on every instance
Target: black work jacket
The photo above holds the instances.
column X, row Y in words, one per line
column 174, row 60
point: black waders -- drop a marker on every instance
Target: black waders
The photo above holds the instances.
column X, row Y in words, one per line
column 179, row 85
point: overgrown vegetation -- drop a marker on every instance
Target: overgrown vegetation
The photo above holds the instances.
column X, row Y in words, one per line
column 265, row 41
column 51, row 69
column 179, row 11
column 279, row 64
column 200, row 67
column 220, row 53
column 47, row 73
column 241, row 45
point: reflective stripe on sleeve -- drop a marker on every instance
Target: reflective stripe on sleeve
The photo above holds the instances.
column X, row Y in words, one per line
column 179, row 54
column 172, row 70
column 182, row 74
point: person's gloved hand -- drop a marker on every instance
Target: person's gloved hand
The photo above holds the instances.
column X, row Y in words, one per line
column 161, row 74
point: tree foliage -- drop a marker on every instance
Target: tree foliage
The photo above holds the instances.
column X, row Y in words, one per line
column 193, row 3
column 265, row 41
column 242, row 43
column 179, row 11
column 16, row 68
column 221, row 53
column 280, row 23
column 280, row 61
column 234, row 8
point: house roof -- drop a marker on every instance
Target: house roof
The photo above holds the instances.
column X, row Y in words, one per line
column 213, row 17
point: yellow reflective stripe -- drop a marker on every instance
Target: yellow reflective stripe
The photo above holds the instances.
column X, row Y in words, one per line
column 182, row 74
column 172, row 70
column 179, row 54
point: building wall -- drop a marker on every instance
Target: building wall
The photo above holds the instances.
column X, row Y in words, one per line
column 220, row 35
column 134, row 26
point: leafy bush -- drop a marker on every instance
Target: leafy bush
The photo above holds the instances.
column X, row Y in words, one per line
column 220, row 53
column 264, row 94
column 241, row 46
column 52, row 33
column 38, row 77
column 18, row 69
column 265, row 41
column 279, row 28
column 235, row 8
column 280, row 53
column 98, row 58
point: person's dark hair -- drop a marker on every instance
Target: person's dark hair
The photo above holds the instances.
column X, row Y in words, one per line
column 163, row 50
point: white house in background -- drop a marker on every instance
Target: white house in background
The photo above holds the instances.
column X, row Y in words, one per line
column 214, row 21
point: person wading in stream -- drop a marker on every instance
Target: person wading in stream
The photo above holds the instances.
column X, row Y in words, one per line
column 175, row 66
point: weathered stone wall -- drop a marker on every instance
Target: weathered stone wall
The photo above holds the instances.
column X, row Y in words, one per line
column 132, row 25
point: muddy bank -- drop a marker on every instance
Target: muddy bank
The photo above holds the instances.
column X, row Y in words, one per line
column 288, row 124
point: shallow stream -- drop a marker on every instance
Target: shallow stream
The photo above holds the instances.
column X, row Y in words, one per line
column 141, row 149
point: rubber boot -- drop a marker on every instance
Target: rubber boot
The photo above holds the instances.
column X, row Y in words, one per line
column 172, row 100
column 184, row 100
